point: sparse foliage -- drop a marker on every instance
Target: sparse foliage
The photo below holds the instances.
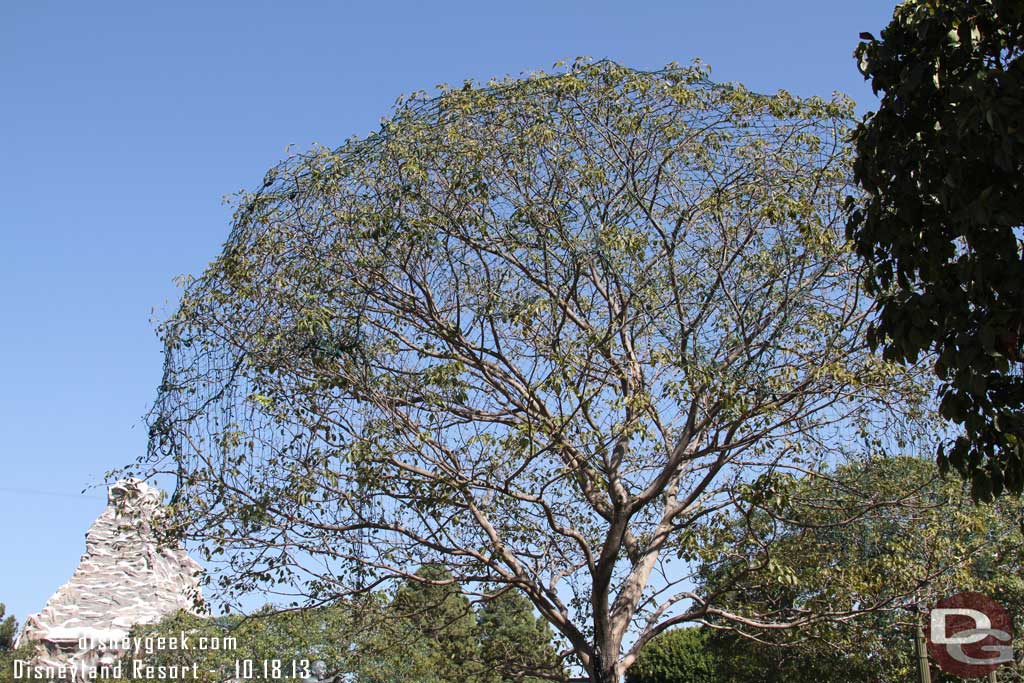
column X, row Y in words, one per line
column 543, row 333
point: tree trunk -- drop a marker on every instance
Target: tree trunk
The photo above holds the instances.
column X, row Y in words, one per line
column 605, row 670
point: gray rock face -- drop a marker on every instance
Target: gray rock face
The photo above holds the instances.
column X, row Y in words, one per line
column 123, row 579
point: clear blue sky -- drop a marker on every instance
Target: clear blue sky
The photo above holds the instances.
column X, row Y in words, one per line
column 123, row 124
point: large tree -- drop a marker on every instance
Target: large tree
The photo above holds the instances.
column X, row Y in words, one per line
column 536, row 332
column 941, row 220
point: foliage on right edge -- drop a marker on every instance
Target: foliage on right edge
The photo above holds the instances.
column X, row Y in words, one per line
column 942, row 166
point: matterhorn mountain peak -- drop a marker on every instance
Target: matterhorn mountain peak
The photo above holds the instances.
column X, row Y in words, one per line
column 125, row 578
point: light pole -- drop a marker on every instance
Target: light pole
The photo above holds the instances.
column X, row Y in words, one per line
column 924, row 674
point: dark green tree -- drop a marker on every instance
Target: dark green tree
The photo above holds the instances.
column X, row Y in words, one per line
column 741, row 660
column 8, row 653
column 294, row 638
column 514, row 642
column 440, row 615
column 682, row 655
column 705, row 655
column 8, row 629
column 360, row 640
column 941, row 164
column 428, row 633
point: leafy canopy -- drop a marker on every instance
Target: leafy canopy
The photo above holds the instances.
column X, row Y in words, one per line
column 941, row 224
column 682, row 655
column 888, row 531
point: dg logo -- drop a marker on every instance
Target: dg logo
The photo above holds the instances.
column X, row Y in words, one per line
column 969, row 635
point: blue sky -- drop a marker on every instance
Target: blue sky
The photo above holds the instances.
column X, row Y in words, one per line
column 122, row 126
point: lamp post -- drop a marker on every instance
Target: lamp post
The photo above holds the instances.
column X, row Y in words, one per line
column 924, row 674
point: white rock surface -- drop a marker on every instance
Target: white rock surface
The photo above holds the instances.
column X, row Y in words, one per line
column 123, row 579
